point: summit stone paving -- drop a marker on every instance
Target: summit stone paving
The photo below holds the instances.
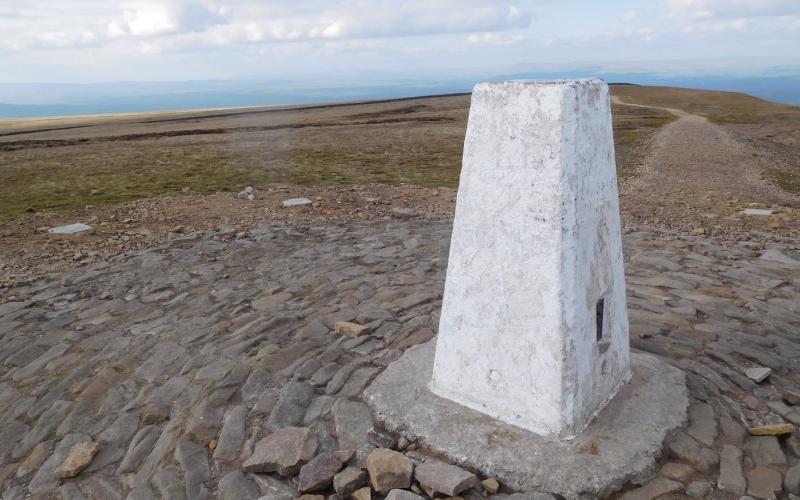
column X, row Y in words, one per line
column 179, row 359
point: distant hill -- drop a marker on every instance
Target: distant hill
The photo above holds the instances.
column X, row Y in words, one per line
column 25, row 100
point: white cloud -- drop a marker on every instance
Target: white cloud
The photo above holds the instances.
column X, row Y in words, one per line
column 167, row 23
column 494, row 39
column 630, row 16
column 730, row 9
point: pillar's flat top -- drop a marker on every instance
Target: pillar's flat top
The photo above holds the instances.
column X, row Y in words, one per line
column 564, row 82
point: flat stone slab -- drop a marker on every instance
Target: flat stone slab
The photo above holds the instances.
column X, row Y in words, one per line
column 620, row 446
column 296, row 202
column 757, row 211
column 71, row 229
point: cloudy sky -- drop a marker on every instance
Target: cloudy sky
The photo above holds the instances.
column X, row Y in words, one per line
column 100, row 40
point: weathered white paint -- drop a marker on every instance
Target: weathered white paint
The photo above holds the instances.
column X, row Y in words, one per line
column 536, row 243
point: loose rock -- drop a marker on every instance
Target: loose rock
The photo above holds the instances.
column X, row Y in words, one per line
column 296, row 202
column 731, row 478
column 444, row 478
column 763, row 482
column 317, row 474
column 349, row 329
column 362, row 494
column 758, row 374
column 349, row 480
column 284, row 451
column 80, row 456
column 389, row 470
column 772, row 430
column 490, row 486
column 402, row 495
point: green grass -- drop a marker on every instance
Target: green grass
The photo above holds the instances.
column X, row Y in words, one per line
column 634, row 127
column 788, row 181
column 419, row 153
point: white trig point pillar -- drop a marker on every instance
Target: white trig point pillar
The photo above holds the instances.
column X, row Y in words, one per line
column 534, row 326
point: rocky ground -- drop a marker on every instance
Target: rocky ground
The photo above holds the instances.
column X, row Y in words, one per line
column 211, row 364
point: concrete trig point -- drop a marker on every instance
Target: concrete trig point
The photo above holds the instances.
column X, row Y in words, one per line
column 534, row 306
column 533, row 337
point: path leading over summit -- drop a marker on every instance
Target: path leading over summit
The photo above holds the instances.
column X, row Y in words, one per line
column 700, row 165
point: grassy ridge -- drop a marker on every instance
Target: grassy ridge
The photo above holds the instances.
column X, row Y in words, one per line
column 120, row 159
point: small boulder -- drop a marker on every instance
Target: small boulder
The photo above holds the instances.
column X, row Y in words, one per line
column 248, row 194
column 445, row 478
column 317, row 474
column 490, row 486
column 284, row 451
column 402, row 495
column 362, row 494
column 79, row 457
column 389, row 470
column 349, row 329
column 758, row 374
column 349, row 480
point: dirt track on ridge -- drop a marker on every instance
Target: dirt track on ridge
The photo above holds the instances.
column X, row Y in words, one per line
column 699, row 174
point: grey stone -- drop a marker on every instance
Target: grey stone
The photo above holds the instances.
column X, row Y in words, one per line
column 266, row 402
column 74, row 229
column 284, row 451
column 656, row 488
column 141, row 492
column 324, row 374
column 731, row 476
column 444, row 478
column 766, row 451
column 71, row 491
column 352, row 422
column 231, row 437
column 194, row 462
column 732, row 432
column 758, row 374
column 791, row 482
column 381, row 438
column 686, row 448
column 98, row 486
column 702, row 424
column 296, row 202
column 235, row 486
column 652, row 405
column 402, row 495
column 698, row 489
column 163, row 445
column 349, row 480
column 141, row 445
column 169, row 484
column 291, row 406
column 274, row 487
column 318, row 409
column 318, row 473
column 45, row 425
column 763, row 482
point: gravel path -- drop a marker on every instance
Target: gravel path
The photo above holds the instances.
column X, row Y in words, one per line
column 178, row 359
column 698, row 176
